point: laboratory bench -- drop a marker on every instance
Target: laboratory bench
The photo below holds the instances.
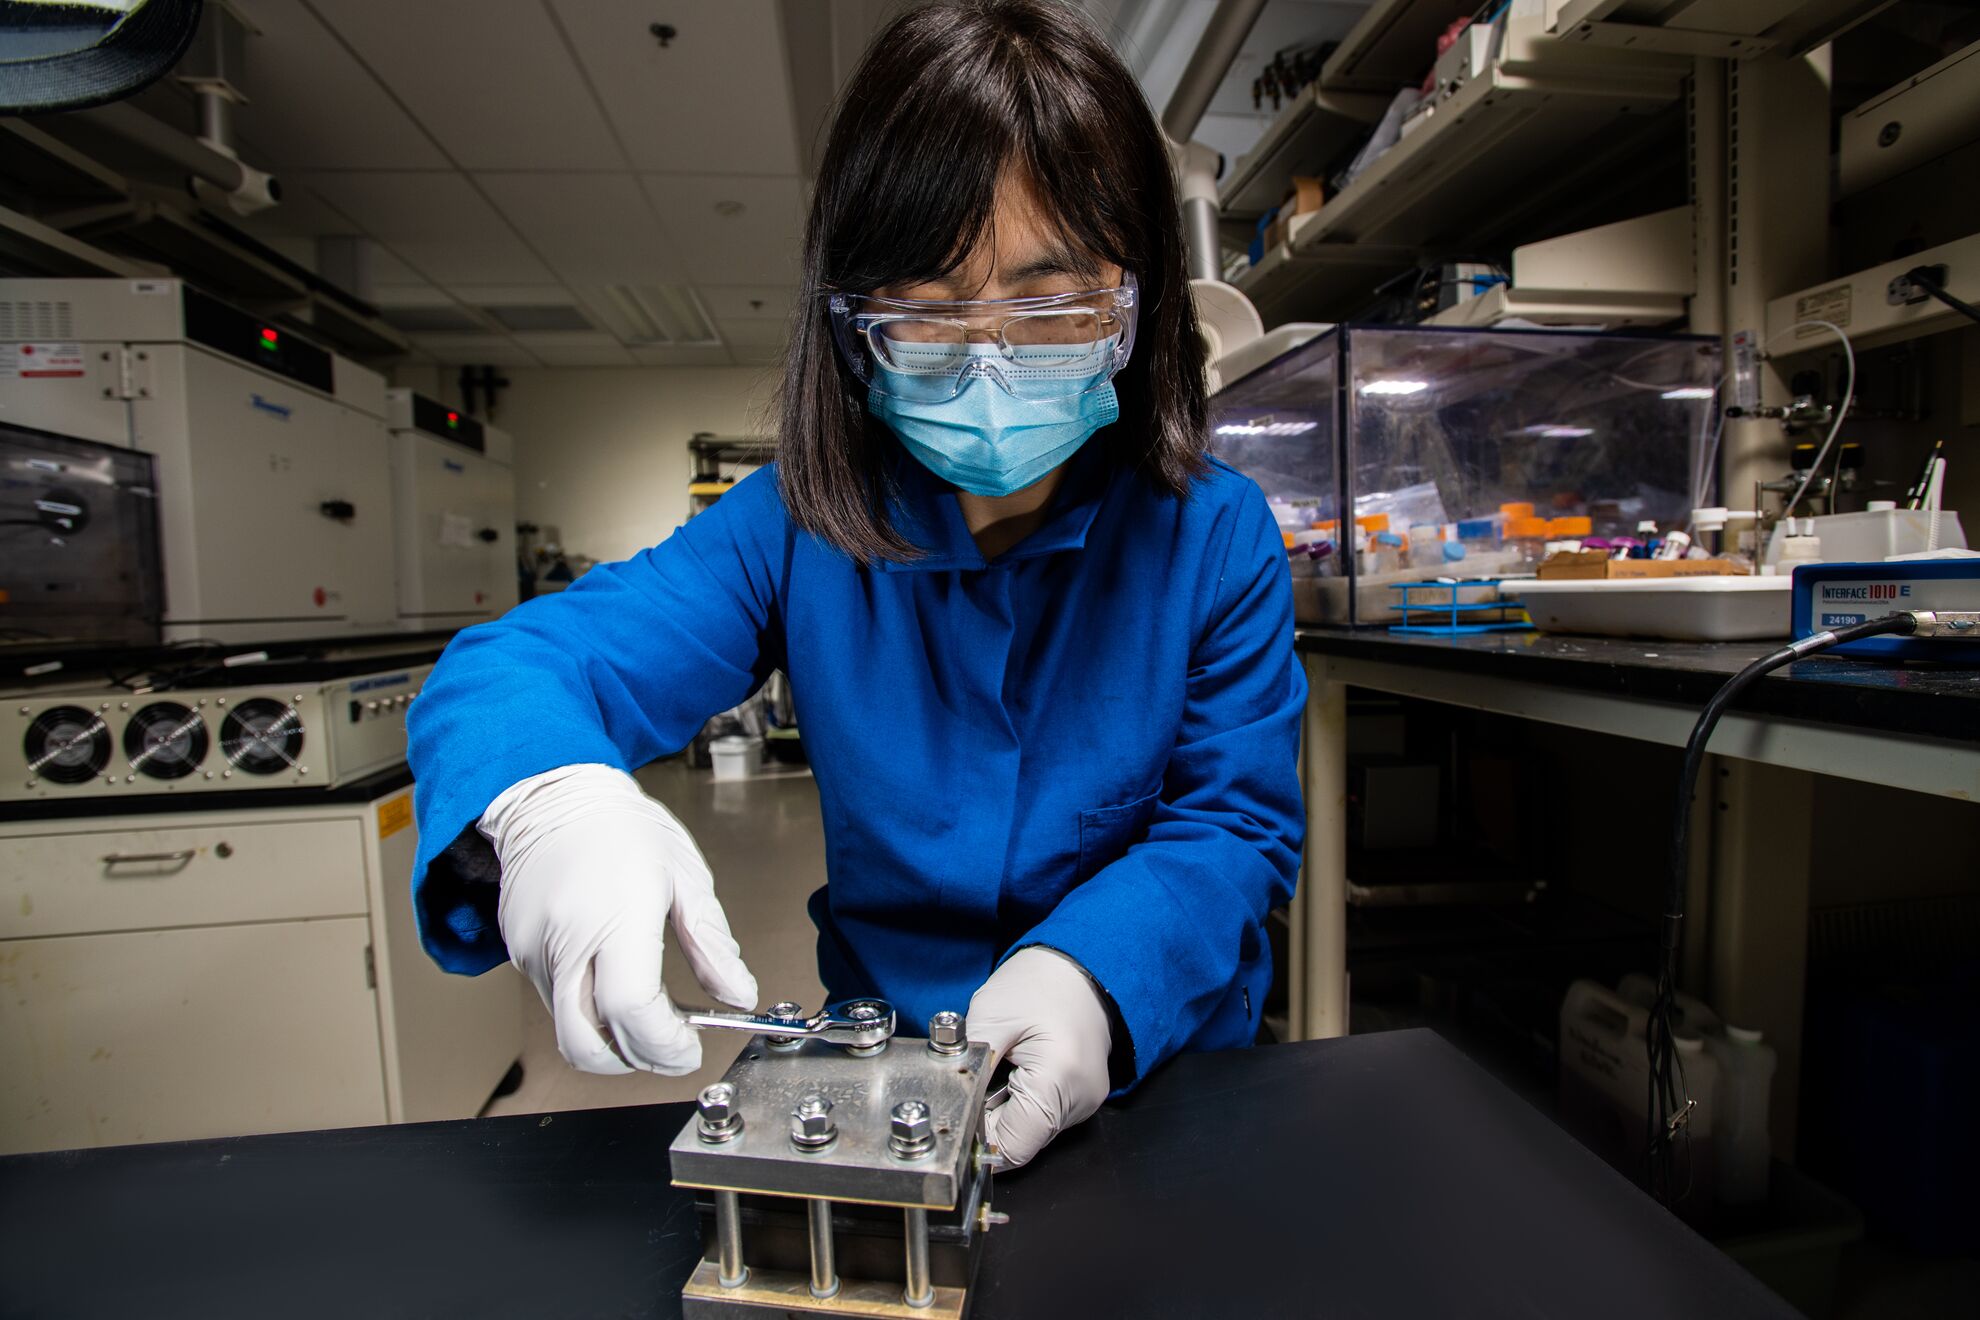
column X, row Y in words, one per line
column 1912, row 726
column 1378, row 1175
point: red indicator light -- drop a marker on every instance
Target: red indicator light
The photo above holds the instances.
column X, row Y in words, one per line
column 268, row 338
column 453, row 419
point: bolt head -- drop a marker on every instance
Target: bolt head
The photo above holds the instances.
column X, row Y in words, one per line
column 948, row 1029
column 911, row 1123
column 864, row 1010
column 785, row 1008
column 717, row 1103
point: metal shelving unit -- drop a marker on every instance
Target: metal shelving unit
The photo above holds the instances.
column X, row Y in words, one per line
column 1309, row 133
column 1312, row 282
column 1391, row 45
column 709, row 454
column 1733, row 29
column 1861, row 303
column 1490, row 156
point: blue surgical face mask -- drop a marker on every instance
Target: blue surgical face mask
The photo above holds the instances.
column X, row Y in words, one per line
column 988, row 439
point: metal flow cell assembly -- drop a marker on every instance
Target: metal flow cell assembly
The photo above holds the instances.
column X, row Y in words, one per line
column 839, row 1169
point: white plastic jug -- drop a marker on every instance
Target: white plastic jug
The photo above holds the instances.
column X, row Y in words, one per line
column 1605, row 1081
column 1746, row 1080
column 1640, row 989
column 1743, row 1150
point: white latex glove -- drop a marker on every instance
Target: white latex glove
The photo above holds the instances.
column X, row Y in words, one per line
column 592, row 871
column 1042, row 1013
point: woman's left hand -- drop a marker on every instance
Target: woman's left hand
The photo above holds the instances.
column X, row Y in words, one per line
column 1041, row 1012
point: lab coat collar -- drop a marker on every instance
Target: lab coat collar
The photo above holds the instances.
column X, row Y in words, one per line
column 926, row 512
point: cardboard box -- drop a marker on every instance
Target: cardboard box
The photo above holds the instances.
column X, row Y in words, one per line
column 1597, row 564
column 1303, row 196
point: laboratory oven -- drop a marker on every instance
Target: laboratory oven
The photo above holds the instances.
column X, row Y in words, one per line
column 455, row 528
column 114, row 743
column 273, row 461
column 78, row 544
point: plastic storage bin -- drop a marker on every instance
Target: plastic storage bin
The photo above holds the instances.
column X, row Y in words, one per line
column 1690, row 609
column 1467, row 431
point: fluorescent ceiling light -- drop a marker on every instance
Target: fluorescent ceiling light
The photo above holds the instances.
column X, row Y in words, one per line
column 654, row 315
column 1395, row 387
column 1552, row 432
column 1266, row 428
column 1688, row 392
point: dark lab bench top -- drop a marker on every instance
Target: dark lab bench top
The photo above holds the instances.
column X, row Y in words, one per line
column 1932, row 700
column 1371, row 1176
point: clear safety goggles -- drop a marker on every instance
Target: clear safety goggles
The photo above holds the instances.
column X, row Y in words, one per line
column 1055, row 347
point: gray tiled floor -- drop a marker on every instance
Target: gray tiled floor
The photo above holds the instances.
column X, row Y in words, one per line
column 764, row 842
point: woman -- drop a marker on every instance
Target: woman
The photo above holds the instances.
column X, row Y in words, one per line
column 1041, row 647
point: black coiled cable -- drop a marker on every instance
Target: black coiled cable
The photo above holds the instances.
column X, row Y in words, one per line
column 1666, row 1132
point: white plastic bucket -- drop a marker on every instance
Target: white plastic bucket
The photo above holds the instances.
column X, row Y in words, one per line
column 735, row 756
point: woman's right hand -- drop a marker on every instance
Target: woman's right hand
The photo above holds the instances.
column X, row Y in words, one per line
column 592, row 871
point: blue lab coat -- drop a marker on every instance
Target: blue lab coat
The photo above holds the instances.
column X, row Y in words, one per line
column 1088, row 743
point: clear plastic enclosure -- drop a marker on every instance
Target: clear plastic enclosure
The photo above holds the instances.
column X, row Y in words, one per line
column 1464, row 453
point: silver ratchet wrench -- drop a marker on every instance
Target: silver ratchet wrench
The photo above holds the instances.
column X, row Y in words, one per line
column 854, row 1023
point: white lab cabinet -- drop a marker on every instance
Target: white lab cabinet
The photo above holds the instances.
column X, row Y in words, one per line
column 277, row 501
column 456, row 532
column 194, row 974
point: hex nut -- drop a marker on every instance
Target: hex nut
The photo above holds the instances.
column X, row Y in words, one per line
column 948, row 1033
column 812, row 1127
column 911, row 1129
column 720, row 1119
column 785, row 1008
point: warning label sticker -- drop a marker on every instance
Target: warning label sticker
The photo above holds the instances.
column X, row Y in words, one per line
column 1831, row 305
column 394, row 815
column 40, row 361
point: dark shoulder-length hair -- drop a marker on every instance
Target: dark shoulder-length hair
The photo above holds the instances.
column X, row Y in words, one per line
column 947, row 101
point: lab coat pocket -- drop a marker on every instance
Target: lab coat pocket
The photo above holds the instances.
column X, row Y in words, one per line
column 1107, row 832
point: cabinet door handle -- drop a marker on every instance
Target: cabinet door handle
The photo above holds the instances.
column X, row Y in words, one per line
column 118, row 859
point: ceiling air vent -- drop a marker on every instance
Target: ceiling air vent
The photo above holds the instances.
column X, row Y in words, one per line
column 654, row 315
column 550, row 317
column 433, row 320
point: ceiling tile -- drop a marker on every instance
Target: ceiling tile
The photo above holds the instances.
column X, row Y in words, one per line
column 592, row 228
column 536, row 339
column 473, row 350
column 753, row 334
column 386, row 268
column 490, row 79
column 437, row 222
column 410, row 295
column 295, row 72
column 518, row 295
column 715, row 100
column 759, row 242
column 606, row 354
column 747, row 302
column 654, row 356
